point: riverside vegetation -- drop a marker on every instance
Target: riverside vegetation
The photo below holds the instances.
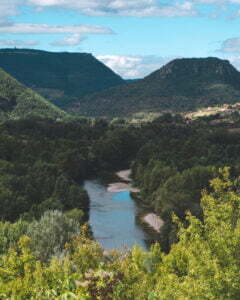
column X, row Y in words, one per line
column 204, row 264
column 188, row 173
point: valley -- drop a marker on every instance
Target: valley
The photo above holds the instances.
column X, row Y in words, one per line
column 131, row 192
column 180, row 86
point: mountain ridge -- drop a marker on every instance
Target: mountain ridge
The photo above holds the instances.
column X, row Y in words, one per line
column 61, row 77
column 181, row 85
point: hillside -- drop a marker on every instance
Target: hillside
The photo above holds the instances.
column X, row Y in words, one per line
column 60, row 77
column 19, row 102
column 181, row 85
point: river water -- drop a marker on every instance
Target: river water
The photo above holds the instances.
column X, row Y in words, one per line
column 113, row 218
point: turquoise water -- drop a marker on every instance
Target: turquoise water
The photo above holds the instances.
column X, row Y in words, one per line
column 113, row 218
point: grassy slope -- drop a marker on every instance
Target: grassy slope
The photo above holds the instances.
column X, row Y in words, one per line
column 19, row 102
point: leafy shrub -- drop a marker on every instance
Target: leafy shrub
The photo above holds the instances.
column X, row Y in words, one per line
column 50, row 234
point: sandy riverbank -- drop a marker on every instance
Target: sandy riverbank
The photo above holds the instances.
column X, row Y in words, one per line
column 153, row 221
column 124, row 175
column 118, row 187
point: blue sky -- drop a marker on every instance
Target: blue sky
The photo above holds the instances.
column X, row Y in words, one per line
column 133, row 37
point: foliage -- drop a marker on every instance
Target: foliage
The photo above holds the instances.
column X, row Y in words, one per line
column 181, row 85
column 59, row 77
column 182, row 191
column 45, row 255
column 45, row 250
column 19, row 102
column 43, row 163
column 50, row 234
column 10, row 233
column 204, row 264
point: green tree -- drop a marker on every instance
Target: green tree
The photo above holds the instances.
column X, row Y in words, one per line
column 204, row 264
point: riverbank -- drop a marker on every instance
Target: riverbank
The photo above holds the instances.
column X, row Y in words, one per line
column 113, row 219
column 153, row 221
column 118, row 187
column 125, row 175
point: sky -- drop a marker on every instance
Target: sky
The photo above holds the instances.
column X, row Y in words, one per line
column 132, row 37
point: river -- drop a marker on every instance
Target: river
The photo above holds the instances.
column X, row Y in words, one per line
column 113, row 218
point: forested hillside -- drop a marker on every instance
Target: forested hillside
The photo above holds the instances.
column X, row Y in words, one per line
column 19, row 102
column 59, row 77
column 44, row 162
column 181, row 85
column 46, row 249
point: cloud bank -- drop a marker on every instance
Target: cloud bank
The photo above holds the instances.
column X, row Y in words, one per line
column 18, row 43
column 69, row 41
column 230, row 48
column 134, row 8
column 29, row 28
column 9, row 8
column 131, row 67
column 231, row 45
column 235, row 61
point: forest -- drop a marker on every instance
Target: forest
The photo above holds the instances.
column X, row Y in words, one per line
column 61, row 77
column 188, row 174
column 182, row 85
column 19, row 102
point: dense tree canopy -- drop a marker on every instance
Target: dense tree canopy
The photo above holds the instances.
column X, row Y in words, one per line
column 184, row 84
column 204, row 264
column 59, row 77
column 46, row 251
column 19, row 102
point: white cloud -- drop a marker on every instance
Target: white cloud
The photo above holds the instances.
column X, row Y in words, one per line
column 235, row 61
column 76, row 33
column 136, row 8
column 18, row 43
column 219, row 2
column 8, row 8
column 230, row 49
column 134, row 66
column 28, row 28
column 72, row 40
column 142, row 8
column 230, row 46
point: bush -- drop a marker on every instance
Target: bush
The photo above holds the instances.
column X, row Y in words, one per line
column 50, row 234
